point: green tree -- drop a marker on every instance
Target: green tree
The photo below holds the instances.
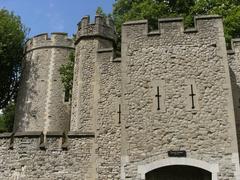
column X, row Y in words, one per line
column 228, row 9
column 7, row 118
column 12, row 37
column 100, row 12
column 66, row 73
column 67, row 70
column 126, row 10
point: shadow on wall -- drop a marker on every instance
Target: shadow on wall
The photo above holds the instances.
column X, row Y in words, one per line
column 25, row 110
column 236, row 103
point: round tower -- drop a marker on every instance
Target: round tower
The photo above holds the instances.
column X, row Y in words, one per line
column 41, row 102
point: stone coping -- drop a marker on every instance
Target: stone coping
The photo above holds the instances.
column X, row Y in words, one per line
column 76, row 134
column 6, row 135
column 117, row 59
column 52, row 46
column 54, row 134
column 176, row 19
column 135, row 22
column 230, row 52
column 38, row 35
column 208, row 17
column 29, row 134
column 234, row 42
column 190, row 30
column 157, row 33
column 52, row 33
column 37, row 134
column 60, row 33
column 154, row 33
column 105, row 50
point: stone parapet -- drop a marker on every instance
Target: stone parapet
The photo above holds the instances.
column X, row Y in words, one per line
column 56, row 158
column 170, row 25
column 235, row 43
column 57, row 39
column 41, row 141
column 102, row 27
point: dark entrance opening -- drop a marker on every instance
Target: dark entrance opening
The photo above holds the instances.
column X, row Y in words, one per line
column 179, row 172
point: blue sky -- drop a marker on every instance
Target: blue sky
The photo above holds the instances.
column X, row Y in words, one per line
column 54, row 15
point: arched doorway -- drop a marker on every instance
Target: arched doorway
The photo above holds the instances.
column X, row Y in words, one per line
column 179, row 172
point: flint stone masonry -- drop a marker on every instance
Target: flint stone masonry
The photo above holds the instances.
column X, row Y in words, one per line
column 40, row 103
column 188, row 66
column 96, row 91
column 27, row 161
column 174, row 56
column 234, row 64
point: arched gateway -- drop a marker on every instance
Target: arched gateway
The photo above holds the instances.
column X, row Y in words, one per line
column 178, row 169
column 178, row 172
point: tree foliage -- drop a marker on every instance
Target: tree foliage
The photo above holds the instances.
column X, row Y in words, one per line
column 100, row 12
column 67, row 70
column 125, row 10
column 12, row 37
column 7, row 118
column 66, row 73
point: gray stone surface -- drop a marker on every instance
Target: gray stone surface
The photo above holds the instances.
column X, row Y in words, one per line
column 234, row 64
column 208, row 132
column 27, row 161
column 118, row 128
column 40, row 103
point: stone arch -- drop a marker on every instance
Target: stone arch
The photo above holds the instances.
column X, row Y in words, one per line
column 212, row 168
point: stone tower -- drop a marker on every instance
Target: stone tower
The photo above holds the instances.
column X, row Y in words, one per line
column 40, row 103
column 177, row 101
column 96, row 95
column 167, row 109
column 234, row 64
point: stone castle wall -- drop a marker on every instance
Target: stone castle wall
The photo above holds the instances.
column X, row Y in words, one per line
column 234, row 64
column 171, row 90
column 175, row 60
column 25, row 156
column 96, row 95
column 40, row 103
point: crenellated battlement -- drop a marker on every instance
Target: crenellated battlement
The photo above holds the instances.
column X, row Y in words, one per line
column 171, row 25
column 235, row 45
column 102, row 27
column 37, row 140
column 57, row 39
